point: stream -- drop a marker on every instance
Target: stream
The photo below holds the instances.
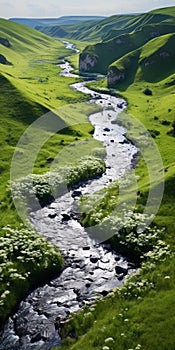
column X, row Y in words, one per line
column 92, row 269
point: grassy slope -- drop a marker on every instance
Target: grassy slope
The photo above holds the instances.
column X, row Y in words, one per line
column 31, row 86
column 92, row 31
column 108, row 28
column 146, row 318
column 154, row 61
column 133, row 36
column 156, row 112
column 139, row 318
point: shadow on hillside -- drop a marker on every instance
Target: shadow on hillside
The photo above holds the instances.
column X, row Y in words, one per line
column 130, row 72
column 15, row 105
column 159, row 70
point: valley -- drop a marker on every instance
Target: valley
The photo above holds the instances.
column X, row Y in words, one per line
column 127, row 74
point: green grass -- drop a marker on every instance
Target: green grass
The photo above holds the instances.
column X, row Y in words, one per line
column 125, row 40
column 124, row 322
column 32, row 87
column 142, row 311
column 152, row 62
column 110, row 27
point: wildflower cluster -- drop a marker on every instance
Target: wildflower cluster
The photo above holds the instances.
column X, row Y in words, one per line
column 51, row 185
column 24, row 257
column 136, row 289
column 108, row 341
column 137, row 347
column 159, row 253
column 98, row 206
column 131, row 233
column 86, row 169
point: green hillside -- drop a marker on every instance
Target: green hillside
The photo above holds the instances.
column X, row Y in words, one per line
column 91, row 30
column 64, row 20
column 31, row 86
column 132, row 36
column 152, row 62
column 111, row 27
column 169, row 11
column 140, row 315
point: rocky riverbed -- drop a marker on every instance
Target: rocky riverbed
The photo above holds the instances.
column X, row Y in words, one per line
column 92, row 269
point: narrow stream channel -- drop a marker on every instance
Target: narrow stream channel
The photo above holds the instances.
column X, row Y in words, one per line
column 92, row 269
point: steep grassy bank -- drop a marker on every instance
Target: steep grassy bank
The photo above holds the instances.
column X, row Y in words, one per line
column 153, row 61
column 117, row 43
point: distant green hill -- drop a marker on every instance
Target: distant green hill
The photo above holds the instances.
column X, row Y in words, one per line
column 90, row 30
column 103, row 54
column 64, row 20
column 110, row 27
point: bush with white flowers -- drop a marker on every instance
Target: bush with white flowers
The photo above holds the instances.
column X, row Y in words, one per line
column 25, row 257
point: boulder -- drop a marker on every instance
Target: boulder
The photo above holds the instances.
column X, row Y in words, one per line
column 121, row 270
column 104, row 293
column 148, row 92
column 87, row 63
column 120, row 105
column 76, row 193
column 36, row 338
column 86, row 248
column 52, row 215
column 94, row 260
column 66, row 217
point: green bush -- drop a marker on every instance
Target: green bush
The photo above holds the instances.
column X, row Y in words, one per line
column 50, row 185
column 26, row 259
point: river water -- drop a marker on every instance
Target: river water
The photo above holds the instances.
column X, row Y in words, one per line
column 92, row 269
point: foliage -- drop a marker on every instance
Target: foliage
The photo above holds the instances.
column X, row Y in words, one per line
column 94, row 208
column 51, row 185
column 25, row 260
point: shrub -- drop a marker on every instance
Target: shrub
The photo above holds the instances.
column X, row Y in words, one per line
column 154, row 133
column 173, row 125
column 148, row 92
column 53, row 184
column 26, row 259
column 165, row 122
